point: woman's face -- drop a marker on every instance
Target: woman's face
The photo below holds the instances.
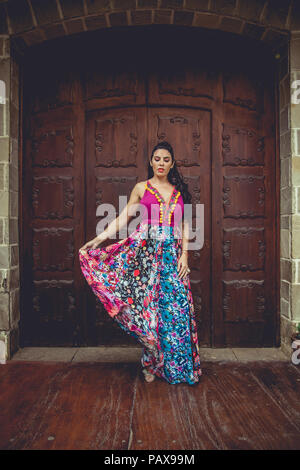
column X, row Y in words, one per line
column 161, row 162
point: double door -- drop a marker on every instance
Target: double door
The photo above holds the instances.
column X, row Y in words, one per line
column 88, row 135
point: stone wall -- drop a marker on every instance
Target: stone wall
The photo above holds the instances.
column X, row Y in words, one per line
column 290, row 194
column 9, row 239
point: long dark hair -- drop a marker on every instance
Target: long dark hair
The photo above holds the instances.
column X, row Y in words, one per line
column 174, row 176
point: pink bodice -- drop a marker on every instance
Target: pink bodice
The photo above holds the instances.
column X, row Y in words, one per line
column 151, row 207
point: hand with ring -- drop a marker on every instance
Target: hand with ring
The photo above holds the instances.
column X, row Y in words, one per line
column 183, row 266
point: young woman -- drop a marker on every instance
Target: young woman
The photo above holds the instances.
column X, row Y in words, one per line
column 143, row 280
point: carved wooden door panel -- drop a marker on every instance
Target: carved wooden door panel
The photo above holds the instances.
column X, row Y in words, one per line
column 187, row 130
column 245, row 214
column 115, row 161
column 53, row 226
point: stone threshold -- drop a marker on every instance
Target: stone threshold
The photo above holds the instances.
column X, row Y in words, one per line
column 129, row 354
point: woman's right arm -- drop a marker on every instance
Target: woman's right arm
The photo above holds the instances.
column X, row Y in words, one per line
column 117, row 223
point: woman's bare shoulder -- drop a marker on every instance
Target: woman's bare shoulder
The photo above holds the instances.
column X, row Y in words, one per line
column 141, row 187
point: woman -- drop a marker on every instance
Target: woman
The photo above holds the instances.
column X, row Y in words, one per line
column 143, row 280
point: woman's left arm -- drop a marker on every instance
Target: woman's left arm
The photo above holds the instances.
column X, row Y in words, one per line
column 183, row 260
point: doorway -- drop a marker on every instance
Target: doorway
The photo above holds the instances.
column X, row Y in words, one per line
column 91, row 123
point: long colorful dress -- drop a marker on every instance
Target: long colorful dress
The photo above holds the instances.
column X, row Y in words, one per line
column 137, row 281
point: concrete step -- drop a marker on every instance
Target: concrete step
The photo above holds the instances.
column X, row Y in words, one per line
column 128, row 354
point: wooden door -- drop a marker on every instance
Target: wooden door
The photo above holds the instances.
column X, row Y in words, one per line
column 53, row 228
column 187, row 129
column 245, row 213
column 88, row 133
column 115, row 161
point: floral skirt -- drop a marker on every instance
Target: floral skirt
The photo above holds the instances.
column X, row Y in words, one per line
column 137, row 281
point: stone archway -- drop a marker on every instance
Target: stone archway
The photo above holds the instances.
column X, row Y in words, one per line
column 277, row 25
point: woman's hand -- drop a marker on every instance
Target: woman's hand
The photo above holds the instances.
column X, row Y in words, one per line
column 92, row 244
column 183, row 265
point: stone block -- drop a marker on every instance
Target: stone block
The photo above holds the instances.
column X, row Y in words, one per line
column 95, row 6
column 285, row 164
column 253, row 31
column 295, row 53
column 276, row 13
column 285, row 222
column 285, row 244
column 295, row 302
column 204, row 20
column 173, row 4
column 5, row 221
column 197, row 4
column 261, row 354
column 284, row 120
column 251, row 10
column 141, row 17
column 118, row 19
column 162, row 17
column 106, row 354
column 4, row 257
column 2, row 177
column 3, row 280
column 295, row 219
column 285, row 92
column 295, row 200
column 1, row 231
column 287, row 269
column 123, row 4
column 287, row 328
column 72, row 8
column 13, row 231
column 74, row 26
column 14, row 307
column 285, row 144
column 13, row 278
column 147, row 3
column 31, row 38
column 295, row 115
column 46, row 11
column 183, row 18
column 223, row 7
column 4, row 203
column 231, row 25
column 95, row 22
column 296, row 244
column 20, row 18
column 295, row 17
column 283, row 65
column 4, row 311
column 13, row 204
column 45, row 354
column 14, row 255
column 13, row 178
column 285, row 308
column 53, row 31
column 14, row 341
column 285, row 290
column 295, row 161
column 14, row 118
column 4, row 149
column 3, row 20
column 286, row 201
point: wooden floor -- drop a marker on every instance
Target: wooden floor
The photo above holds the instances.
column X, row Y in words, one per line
column 50, row 405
